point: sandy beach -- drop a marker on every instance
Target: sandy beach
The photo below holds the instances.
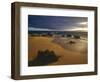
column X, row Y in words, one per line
column 69, row 53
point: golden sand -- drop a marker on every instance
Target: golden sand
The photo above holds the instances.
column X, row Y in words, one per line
column 68, row 55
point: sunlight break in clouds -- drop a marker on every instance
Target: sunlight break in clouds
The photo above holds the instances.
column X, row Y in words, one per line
column 81, row 28
column 37, row 29
column 83, row 23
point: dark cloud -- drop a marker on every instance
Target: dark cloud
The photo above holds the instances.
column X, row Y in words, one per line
column 55, row 22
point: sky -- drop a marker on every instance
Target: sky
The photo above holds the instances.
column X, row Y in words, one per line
column 56, row 23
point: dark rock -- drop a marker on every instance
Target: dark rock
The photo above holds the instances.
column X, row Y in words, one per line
column 72, row 42
column 44, row 58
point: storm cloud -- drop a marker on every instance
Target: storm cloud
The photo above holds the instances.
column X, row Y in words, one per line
column 58, row 23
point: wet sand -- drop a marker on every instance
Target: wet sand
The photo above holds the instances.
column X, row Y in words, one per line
column 69, row 53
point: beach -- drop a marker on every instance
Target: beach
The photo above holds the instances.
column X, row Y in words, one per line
column 69, row 50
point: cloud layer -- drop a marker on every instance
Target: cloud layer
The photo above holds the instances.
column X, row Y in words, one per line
column 56, row 23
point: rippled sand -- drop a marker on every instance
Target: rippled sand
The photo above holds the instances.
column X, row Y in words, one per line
column 69, row 53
